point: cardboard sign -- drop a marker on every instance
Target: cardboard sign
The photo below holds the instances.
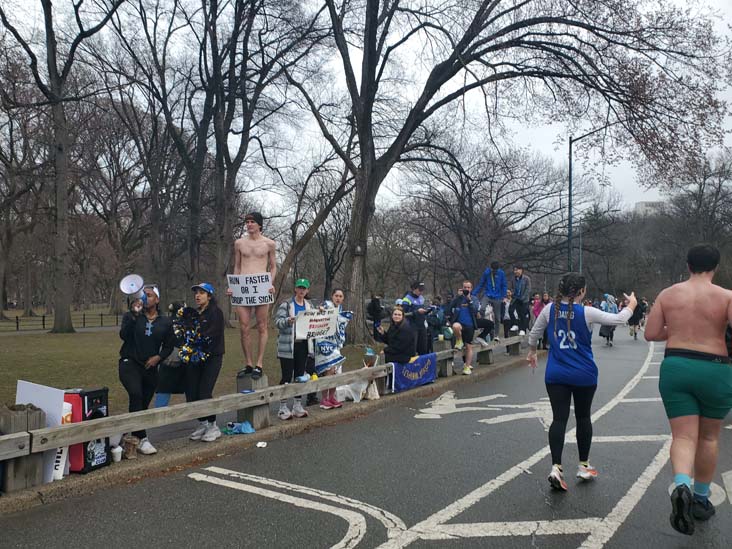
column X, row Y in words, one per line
column 250, row 290
column 316, row 323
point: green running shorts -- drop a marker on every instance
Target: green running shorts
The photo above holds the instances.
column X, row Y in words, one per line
column 693, row 387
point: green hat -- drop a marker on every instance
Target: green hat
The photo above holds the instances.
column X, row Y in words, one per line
column 302, row 283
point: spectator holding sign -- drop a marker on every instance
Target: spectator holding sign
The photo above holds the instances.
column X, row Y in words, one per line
column 293, row 353
column 328, row 358
column 254, row 254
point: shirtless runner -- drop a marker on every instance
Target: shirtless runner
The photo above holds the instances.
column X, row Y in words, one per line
column 695, row 381
column 254, row 254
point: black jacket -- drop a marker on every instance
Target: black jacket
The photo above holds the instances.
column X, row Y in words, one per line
column 401, row 342
column 212, row 326
column 141, row 340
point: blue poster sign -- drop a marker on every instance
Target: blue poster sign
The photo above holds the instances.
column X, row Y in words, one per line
column 413, row 374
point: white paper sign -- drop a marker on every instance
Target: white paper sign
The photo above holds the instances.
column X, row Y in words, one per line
column 49, row 400
column 250, row 290
column 316, row 323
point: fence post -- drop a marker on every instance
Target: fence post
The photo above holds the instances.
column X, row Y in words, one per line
column 43, row 321
column 17, row 323
column 101, row 320
column 83, row 320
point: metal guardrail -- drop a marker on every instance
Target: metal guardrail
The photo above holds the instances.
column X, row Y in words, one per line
column 41, row 440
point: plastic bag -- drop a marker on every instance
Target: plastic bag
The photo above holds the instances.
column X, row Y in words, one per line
column 372, row 393
column 355, row 391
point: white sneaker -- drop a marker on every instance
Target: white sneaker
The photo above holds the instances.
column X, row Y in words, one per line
column 480, row 341
column 522, row 333
column 556, row 479
column 198, row 433
column 586, row 472
column 298, row 410
column 212, row 433
column 514, row 328
column 146, row 448
column 284, row 413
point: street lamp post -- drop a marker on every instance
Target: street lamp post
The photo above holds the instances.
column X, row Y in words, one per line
column 572, row 141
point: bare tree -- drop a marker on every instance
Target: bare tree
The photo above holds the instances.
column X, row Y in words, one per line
column 52, row 80
column 651, row 74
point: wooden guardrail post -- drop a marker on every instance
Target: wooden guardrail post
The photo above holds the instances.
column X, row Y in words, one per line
column 257, row 416
column 444, row 364
column 514, row 349
column 27, row 471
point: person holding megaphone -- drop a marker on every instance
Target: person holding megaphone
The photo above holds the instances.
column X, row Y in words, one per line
column 147, row 340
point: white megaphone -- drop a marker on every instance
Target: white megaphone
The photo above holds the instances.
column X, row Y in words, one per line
column 132, row 285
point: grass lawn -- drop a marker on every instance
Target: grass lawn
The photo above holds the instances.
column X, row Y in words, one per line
column 90, row 360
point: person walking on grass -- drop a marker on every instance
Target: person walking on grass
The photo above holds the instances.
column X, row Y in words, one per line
column 695, row 380
column 571, row 372
column 147, row 339
column 201, row 376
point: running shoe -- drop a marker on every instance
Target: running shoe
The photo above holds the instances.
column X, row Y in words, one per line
column 298, row 410
column 681, row 517
column 212, row 433
column 467, row 371
column 257, row 373
column 586, row 472
column 702, row 509
column 198, row 433
column 459, row 344
column 335, row 402
column 514, row 328
column 556, row 479
column 481, row 341
column 284, row 414
column 522, row 333
column 325, row 404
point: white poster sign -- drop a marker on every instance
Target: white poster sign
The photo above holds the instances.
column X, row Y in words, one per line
column 49, row 400
column 250, row 290
column 316, row 323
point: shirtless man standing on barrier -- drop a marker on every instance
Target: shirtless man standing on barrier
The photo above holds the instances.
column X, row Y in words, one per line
column 254, row 254
column 695, row 381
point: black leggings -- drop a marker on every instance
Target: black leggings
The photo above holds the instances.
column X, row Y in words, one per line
column 140, row 384
column 560, row 397
column 201, row 379
column 295, row 366
column 486, row 327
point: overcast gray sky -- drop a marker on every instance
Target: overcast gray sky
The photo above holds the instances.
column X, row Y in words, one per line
column 623, row 177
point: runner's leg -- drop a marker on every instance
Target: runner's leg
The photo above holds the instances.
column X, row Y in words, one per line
column 560, row 397
column 685, row 434
column 582, row 405
column 707, row 450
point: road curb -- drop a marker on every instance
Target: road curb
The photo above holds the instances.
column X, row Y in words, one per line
column 180, row 454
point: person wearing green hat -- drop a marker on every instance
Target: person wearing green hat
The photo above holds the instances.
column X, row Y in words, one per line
column 293, row 353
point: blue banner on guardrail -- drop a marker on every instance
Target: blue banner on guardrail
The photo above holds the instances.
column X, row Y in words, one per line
column 413, row 374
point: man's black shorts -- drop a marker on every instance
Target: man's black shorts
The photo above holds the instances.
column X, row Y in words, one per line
column 468, row 333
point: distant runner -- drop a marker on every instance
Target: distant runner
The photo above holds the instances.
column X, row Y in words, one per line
column 695, row 381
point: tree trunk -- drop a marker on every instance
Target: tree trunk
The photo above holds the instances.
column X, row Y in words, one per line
column 62, row 281
column 28, row 287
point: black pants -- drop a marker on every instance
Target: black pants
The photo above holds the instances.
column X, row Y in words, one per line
column 560, row 397
column 294, row 367
column 423, row 341
column 201, row 379
column 486, row 327
column 520, row 310
column 140, row 384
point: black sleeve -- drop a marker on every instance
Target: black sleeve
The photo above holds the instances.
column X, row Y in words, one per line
column 213, row 329
column 168, row 341
column 127, row 327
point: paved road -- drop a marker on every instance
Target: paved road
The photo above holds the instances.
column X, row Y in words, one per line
column 467, row 469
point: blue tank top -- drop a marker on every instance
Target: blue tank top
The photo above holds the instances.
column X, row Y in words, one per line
column 570, row 359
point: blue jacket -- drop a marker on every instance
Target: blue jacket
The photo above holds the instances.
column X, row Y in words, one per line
column 494, row 284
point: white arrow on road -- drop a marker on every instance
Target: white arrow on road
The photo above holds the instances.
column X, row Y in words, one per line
column 727, row 479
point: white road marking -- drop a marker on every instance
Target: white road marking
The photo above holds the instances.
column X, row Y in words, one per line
column 632, row 400
column 447, row 403
column 610, row 524
column 356, row 521
column 519, row 528
column 394, row 525
column 727, row 479
column 728, row 427
column 457, row 507
column 651, row 377
column 627, row 438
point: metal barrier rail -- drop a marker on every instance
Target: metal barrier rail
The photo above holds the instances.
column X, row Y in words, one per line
column 45, row 322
